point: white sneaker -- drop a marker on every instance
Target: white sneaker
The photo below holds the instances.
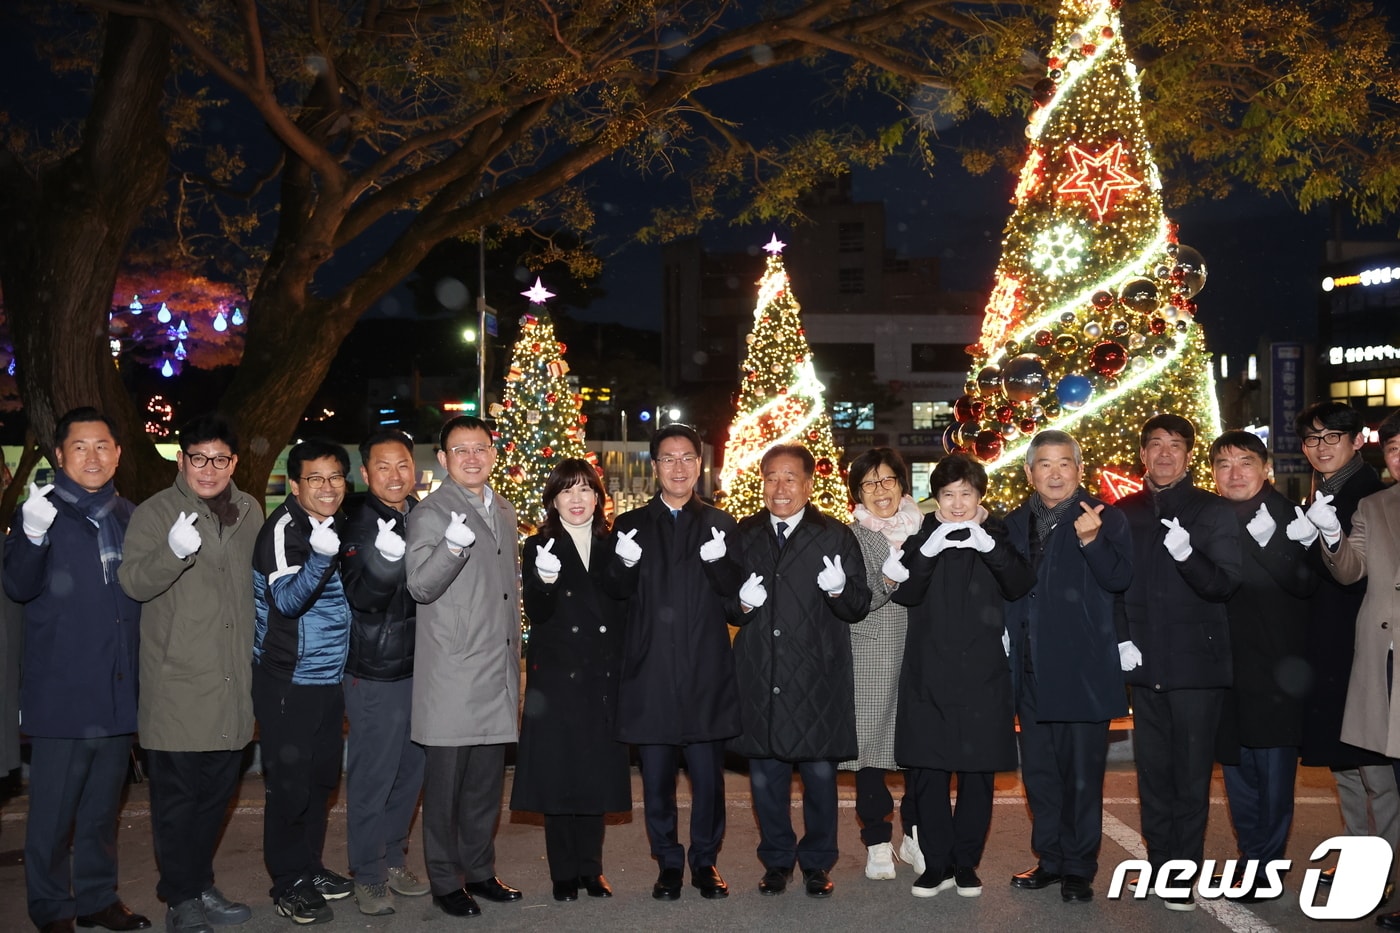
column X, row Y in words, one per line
column 910, row 852
column 879, row 862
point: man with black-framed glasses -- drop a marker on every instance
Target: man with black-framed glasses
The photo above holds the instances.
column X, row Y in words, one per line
column 187, row 553
column 300, row 645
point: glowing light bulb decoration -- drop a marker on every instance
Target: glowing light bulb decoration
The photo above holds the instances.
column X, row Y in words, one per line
column 537, row 419
column 1091, row 325
column 780, row 401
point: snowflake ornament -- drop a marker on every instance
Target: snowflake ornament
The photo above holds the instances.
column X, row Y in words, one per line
column 1058, row 250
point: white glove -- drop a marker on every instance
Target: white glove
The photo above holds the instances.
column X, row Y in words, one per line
column 1178, row 539
column 714, row 548
column 457, row 534
column 1262, row 526
column 183, row 539
column 628, row 550
column 1324, row 517
column 388, row 542
column 547, row 564
column 38, row 512
column 1129, row 656
column 938, row 542
column 977, row 539
column 893, row 569
column 324, row 540
column 752, row 593
column 1300, row 529
column 832, row 579
column 1006, row 642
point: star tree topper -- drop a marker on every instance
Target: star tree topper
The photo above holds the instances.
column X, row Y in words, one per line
column 537, row 293
column 1098, row 177
column 775, row 245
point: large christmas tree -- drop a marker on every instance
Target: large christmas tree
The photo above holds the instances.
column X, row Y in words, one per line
column 780, row 401
column 538, row 416
column 1091, row 326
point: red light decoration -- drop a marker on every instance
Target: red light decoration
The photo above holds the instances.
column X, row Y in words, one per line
column 1114, row 485
column 1098, row 177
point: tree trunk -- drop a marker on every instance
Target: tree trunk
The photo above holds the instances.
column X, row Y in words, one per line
column 66, row 235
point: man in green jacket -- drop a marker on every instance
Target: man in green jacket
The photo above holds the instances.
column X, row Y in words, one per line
column 188, row 558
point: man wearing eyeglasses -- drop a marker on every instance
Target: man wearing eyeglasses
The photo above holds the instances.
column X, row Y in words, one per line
column 299, row 650
column 677, row 696
column 464, row 571
column 188, row 550
column 1332, row 437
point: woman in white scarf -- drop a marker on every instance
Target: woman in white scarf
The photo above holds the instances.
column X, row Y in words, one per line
column 885, row 514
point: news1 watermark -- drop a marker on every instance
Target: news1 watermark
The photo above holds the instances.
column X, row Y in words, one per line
column 1357, row 889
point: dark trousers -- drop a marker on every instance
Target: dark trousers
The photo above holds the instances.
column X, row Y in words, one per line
column 190, row 794
column 875, row 804
column 383, row 776
column 301, row 729
column 461, row 808
column 704, row 763
column 1174, row 751
column 573, row 844
column 1062, row 768
column 1260, row 791
column 948, row 837
column 770, row 782
column 75, row 790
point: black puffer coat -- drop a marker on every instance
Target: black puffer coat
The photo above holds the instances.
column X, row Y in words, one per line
column 382, row 613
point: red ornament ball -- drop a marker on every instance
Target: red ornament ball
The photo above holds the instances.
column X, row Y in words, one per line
column 968, row 408
column 562, row 348
column 824, row 466
column 813, row 435
column 510, row 445
column 1089, row 48
column 1108, row 358
column 1005, row 413
column 534, row 348
column 1027, row 425
column 1106, row 32
column 551, row 398
column 987, row 446
column 582, row 419
column 547, row 452
column 508, row 403
column 1157, row 326
column 1043, row 338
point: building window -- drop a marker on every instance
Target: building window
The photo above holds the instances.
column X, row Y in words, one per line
column 931, row 416
column 850, row 238
column 850, row 281
column 938, row 358
column 853, row 416
column 847, row 359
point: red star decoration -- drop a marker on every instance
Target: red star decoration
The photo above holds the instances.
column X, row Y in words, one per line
column 1114, row 485
column 1098, row 176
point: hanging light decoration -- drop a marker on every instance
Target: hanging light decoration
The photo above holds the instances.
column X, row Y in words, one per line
column 163, row 315
column 135, row 306
column 220, row 322
column 237, row 318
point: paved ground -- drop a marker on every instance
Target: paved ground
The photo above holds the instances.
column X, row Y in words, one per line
column 857, row 904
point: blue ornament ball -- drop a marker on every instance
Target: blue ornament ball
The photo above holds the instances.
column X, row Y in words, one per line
column 1074, row 391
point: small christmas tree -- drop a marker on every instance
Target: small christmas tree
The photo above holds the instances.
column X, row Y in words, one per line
column 1091, row 324
column 538, row 418
column 780, row 401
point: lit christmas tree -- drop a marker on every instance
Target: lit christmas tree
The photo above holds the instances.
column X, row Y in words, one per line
column 780, row 401
column 1090, row 327
column 538, row 418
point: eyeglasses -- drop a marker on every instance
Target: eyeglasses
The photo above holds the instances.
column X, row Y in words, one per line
column 200, row 461
column 1330, row 438
column 316, row 480
column 474, row 450
column 885, row 482
column 687, row 459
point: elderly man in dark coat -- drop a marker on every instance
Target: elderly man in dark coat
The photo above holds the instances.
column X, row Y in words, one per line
column 677, row 697
column 1067, row 660
column 1261, row 723
column 793, row 656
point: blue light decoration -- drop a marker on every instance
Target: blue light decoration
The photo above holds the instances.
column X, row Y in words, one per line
column 180, row 353
column 163, row 315
column 644, row 416
column 220, row 322
column 167, row 369
column 11, row 368
column 182, row 331
column 135, row 306
column 237, row 318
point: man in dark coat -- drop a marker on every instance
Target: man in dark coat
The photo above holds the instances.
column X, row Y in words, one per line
column 677, row 698
column 383, row 766
column 1332, row 436
column 1186, row 566
column 1067, row 660
column 793, row 657
column 78, row 693
column 1262, row 720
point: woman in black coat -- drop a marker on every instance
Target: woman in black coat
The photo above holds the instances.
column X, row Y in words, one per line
column 955, row 703
column 568, row 766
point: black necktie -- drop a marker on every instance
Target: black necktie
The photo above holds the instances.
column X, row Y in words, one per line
column 782, row 534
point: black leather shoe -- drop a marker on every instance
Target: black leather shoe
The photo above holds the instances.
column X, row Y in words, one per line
column 775, row 881
column 1389, row 921
column 595, row 885
column 709, row 882
column 668, row 885
column 64, row 925
column 1034, row 879
column 493, row 889
column 115, row 916
column 457, row 904
column 817, row 882
column 566, row 890
column 1075, row 888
